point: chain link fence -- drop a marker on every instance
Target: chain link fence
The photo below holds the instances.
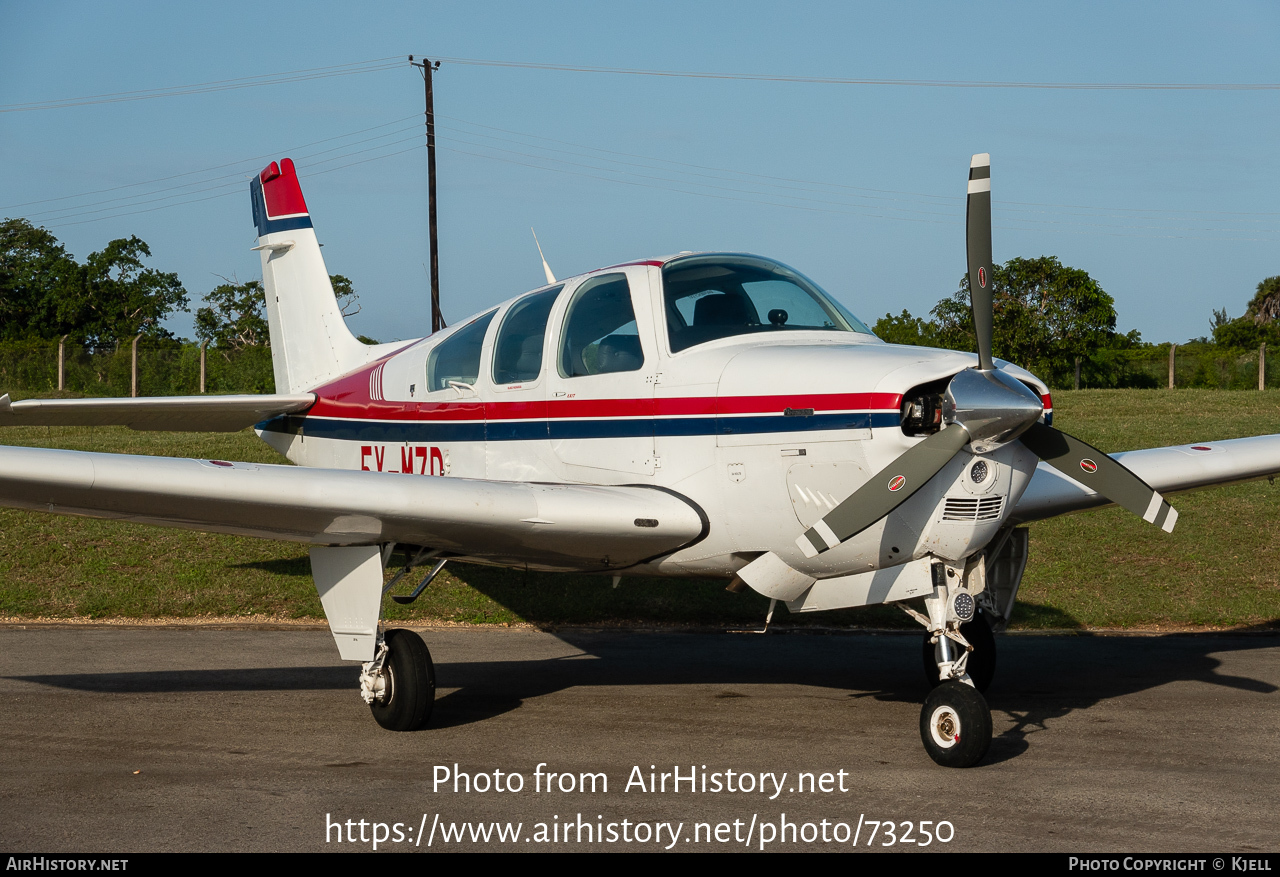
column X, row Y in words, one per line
column 1195, row 365
column 31, row 369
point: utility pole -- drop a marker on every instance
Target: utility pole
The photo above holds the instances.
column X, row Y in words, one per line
column 426, row 66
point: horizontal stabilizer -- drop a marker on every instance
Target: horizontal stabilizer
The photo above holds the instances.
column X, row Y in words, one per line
column 170, row 413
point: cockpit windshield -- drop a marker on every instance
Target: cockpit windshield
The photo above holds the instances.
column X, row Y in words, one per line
column 717, row 296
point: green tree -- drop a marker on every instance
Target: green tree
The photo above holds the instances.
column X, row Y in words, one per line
column 45, row 293
column 1260, row 322
column 907, row 329
column 1045, row 315
column 37, row 278
column 345, row 292
column 1265, row 306
column 233, row 316
column 121, row 298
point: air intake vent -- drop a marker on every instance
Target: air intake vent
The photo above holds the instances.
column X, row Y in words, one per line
column 987, row 508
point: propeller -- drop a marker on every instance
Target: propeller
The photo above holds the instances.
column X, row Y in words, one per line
column 978, row 244
column 984, row 408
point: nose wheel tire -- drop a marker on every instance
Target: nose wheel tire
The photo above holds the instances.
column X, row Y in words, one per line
column 409, row 683
column 955, row 725
column 981, row 666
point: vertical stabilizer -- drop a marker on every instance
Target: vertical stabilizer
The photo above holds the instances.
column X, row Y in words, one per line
column 310, row 341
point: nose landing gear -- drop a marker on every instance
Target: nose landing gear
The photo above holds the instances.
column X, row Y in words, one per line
column 955, row 725
column 981, row 665
column 955, row 721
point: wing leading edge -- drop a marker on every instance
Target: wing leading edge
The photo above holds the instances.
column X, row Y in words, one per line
column 1169, row 470
column 550, row 526
column 172, row 413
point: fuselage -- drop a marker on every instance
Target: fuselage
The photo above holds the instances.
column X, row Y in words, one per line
column 765, row 417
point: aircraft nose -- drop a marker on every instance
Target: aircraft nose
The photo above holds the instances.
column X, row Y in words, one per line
column 993, row 407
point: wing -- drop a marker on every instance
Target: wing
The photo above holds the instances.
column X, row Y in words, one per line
column 1168, row 470
column 550, row 526
column 176, row 413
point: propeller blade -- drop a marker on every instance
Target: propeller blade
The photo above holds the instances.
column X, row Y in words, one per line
column 978, row 241
column 1094, row 469
column 884, row 491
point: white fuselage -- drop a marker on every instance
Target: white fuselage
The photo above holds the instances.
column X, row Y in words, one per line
column 756, row 429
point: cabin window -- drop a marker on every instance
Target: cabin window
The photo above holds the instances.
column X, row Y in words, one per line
column 517, row 357
column 457, row 358
column 600, row 334
column 710, row 297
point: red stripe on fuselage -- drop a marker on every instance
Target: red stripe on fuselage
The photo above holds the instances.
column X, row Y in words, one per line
column 348, row 398
column 353, row 405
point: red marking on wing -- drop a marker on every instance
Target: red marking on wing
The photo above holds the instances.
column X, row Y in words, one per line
column 281, row 191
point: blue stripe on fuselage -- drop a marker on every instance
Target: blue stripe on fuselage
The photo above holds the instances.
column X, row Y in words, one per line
column 438, row 431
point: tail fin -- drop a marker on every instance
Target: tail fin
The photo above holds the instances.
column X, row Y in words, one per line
column 310, row 341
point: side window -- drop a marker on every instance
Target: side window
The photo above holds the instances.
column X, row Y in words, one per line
column 517, row 355
column 458, row 358
column 600, row 334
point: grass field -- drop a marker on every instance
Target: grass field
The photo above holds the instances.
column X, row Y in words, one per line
column 1102, row 569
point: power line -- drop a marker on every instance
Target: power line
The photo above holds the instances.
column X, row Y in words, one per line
column 870, row 193
column 217, row 167
column 352, row 69
column 590, row 162
column 680, row 181
column 911, row 83
column 236, row 180
column 845, row 192
column 227, row 194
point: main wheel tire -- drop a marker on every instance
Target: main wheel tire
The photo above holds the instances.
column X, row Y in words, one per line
column 410, row 689
column 955, row 725
column 982, row 660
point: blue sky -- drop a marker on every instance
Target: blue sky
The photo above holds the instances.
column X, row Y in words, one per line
column 1168, row 198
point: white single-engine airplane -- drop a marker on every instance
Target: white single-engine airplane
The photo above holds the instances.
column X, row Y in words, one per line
column 709, row 415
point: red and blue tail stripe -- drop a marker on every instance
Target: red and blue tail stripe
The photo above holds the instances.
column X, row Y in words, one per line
column 277, row 199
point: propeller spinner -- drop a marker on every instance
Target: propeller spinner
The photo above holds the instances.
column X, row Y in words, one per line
column 984, row 408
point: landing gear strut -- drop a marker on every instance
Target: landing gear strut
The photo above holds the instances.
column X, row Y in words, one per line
column 955, row 722
column 981, row 665
column 399, row 684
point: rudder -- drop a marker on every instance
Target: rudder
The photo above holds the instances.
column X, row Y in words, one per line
column 310, row 341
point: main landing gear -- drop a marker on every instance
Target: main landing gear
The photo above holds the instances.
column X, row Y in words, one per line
column 399, row 684
column 959, row 661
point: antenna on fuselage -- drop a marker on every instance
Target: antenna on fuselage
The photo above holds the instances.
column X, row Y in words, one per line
column 551, row 278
